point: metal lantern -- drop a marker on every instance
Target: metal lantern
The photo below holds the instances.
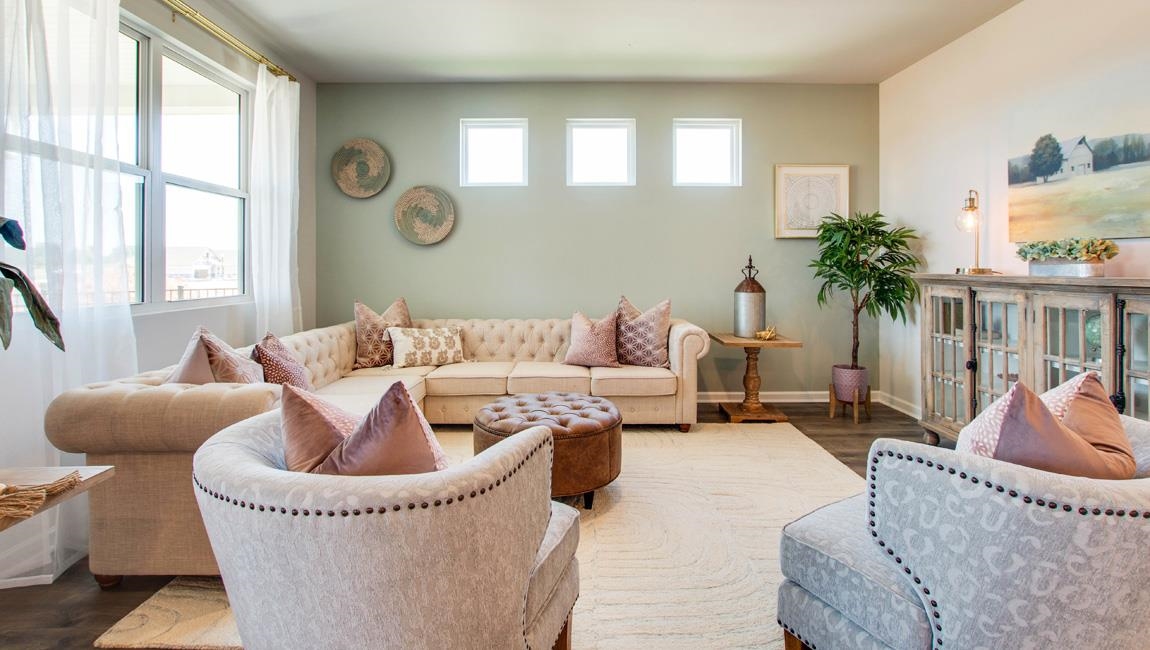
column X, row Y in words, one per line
column 750, row 303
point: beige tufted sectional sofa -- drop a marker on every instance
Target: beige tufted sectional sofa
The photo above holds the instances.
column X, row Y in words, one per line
column 145, row 521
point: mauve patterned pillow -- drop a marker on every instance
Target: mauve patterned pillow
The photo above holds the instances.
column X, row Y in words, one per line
column 641, row 337
column 1058, row 399
column 593, row 342
column 372, row 344
column 435, row 346
column 209, row 359
column 279, row 363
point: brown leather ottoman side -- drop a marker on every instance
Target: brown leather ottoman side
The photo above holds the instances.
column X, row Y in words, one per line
column 588, row 433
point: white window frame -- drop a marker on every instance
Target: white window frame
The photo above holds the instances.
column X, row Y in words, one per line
column 734, row 125
column 621, row 122
column 490, row 123
column 154, row 46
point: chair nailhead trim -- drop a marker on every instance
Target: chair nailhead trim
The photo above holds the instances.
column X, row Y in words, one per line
column 1041, row 503
column 295, row 512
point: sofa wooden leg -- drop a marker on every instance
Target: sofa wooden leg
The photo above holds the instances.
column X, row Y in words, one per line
column 107, row 582
column 564, row 640
column 685, row 428
column 588, row 500
column 791, row 642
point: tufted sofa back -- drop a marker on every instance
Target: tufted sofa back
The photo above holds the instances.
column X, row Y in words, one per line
column 514, row 339
column 328, row 353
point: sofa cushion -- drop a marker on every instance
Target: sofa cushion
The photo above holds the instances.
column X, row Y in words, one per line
column 373, row 387
column 478, row 378
column 391, row 371
column 546, row 376
column 830, row 554
column 633, row 380
column 555, row 553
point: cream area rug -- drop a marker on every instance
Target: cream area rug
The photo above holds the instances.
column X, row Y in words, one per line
column 681, row 551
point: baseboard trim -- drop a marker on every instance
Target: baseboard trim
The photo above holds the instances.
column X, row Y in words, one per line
column 900, row 405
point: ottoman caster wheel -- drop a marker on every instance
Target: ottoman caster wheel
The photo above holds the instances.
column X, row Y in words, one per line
column 588, row 500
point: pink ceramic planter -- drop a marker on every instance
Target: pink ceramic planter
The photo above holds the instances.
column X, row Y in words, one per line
column 846, row 380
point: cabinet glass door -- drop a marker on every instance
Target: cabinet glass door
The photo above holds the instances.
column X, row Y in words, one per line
column 1136, row 365
column 946, row 349
column 999, row 338
column 1075, row 336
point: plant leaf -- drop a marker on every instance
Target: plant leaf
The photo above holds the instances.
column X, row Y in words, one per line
column 38, row 308
column 12, row 233
column 6, row 287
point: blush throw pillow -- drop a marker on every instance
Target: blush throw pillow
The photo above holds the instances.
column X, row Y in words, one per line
column 279, row 363
column 641, row 336
column 434, row 346
column 208, row 359
column 373, row 346
column 593, row 342
column 394, row 438
column 1087, row 441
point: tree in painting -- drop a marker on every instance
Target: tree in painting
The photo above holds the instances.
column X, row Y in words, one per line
column 1046, row 157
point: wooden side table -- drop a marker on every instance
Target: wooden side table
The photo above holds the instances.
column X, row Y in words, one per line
column 90, row 475
column 751, row 409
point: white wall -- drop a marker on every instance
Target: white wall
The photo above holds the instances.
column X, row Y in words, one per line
column 945, row 125
column 162, row 336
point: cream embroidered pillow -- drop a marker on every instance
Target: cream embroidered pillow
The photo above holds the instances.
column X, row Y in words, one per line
column 436, row 346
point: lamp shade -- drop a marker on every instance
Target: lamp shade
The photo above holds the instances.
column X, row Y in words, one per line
column 967, row 219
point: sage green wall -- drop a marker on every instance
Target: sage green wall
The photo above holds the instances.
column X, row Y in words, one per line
column 546, row 250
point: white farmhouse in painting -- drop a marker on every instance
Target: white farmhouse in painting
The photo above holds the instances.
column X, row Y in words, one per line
column 1077, row 158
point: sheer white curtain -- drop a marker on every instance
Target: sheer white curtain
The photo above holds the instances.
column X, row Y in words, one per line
column 275, row 204
column 59, row 178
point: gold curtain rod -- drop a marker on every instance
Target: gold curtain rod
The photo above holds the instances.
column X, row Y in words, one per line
column 203, row 22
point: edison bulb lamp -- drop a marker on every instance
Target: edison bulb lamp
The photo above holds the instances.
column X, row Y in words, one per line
column 968, row 220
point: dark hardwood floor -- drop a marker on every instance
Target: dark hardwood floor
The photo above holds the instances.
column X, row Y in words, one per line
column 73, row 611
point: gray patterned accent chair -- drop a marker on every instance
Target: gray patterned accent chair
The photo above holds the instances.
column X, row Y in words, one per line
column 954, row 551
column 474, row 556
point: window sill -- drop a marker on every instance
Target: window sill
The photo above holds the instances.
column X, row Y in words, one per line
column 148, row 309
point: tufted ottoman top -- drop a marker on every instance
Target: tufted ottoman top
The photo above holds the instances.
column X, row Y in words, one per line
column 567, row 414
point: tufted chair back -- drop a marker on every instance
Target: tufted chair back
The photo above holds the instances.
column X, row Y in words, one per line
column 513, row 339
column 328, row 353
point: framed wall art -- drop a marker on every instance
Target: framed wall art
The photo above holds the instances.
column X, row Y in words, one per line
column 804, row 194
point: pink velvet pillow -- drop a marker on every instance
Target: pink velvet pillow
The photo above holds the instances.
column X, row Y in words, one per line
column 208, row 359
column 279, row 363
column 1020, row 428
column 394, row 438
column 592, row 342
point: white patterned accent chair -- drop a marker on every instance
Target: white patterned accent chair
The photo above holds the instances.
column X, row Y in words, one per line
column 474, row 556
column 950, row 550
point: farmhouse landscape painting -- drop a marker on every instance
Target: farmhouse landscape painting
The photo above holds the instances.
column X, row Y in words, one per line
column 1081, row 186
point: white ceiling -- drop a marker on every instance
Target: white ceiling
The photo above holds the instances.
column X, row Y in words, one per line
column 807, row 41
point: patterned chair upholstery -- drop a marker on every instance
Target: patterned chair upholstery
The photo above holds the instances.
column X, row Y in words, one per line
column 473, row 556
column 948, row 550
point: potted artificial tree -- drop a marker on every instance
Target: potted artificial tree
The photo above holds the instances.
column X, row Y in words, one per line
column 870, row 261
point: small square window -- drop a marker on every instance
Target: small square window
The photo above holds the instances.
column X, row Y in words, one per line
column 601, row 152
column 708, row 152
column 492, row 152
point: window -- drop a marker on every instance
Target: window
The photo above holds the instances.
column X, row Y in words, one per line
column 492, row 152
column 183, row 136
column 708, row 152
column 601, row 152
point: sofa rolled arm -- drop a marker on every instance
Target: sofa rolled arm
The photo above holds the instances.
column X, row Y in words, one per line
column 1005, row 556
column 686, row 344
column 142, row 414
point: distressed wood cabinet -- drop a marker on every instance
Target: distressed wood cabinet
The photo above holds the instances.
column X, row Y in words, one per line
column 983, row 334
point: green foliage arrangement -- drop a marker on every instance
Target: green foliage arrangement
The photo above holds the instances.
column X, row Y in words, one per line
column 869, row 260
column 12, row 278
column 1078, row 250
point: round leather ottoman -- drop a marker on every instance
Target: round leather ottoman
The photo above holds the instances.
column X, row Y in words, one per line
column 588, row 433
